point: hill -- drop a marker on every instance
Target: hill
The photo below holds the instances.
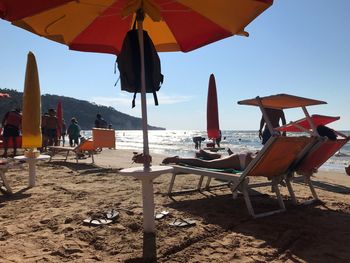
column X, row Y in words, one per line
column 84, row 111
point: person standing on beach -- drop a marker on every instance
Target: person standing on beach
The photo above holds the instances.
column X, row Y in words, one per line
column 274, row 115
column 73, row 132
column 100, row 122
column 11, row 123
column 51, row 128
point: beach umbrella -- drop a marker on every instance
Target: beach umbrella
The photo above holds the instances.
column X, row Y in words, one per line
column 31, row 115
column 59, row 114
column 213, row 128
column 101, row 25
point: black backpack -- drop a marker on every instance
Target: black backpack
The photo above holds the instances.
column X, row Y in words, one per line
column 129, row 65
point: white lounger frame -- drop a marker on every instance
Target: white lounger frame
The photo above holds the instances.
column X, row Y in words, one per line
column 243, row 186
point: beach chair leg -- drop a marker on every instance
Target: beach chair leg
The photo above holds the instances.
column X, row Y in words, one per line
column 92, row 157
column 171, row 185
column 291, row 190
column 5, row 182
column 66, row 156
column 207, row 185
column 278, row 194
column 199, row 186
column 312, row 189
column 244, row 189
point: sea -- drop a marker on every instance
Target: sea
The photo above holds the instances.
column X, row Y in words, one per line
column 180, row 142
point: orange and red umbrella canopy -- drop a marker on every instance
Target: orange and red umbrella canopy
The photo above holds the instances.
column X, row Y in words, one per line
column 100, row 25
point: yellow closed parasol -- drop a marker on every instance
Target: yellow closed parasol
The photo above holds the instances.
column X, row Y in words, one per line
column 31, row 120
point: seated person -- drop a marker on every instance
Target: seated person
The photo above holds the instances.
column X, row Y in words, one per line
column 233, row 161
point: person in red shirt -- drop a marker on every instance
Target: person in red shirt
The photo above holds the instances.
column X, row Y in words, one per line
column 12, row 123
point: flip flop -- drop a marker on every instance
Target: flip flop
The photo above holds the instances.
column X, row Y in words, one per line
column 161, row 214
column 180, row 222
column 97, row 222
column 112, row 215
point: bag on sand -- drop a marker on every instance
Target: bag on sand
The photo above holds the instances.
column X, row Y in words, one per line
column 129, row 65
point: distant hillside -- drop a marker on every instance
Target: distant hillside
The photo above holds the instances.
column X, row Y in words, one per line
column 84, row 111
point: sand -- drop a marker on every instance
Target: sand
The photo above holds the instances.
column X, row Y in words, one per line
column 45, row 223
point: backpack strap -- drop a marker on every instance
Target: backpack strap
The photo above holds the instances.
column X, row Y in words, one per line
column 133, row 100
column 155, row 98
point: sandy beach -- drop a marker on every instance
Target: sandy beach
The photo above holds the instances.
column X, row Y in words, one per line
column 45, row 223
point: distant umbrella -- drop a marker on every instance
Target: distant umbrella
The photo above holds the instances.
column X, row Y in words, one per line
column 213, row 128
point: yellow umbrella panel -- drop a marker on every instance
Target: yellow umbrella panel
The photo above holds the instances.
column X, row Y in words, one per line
column 31, row 120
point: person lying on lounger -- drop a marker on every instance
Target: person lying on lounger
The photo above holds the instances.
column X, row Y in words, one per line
column 233, row 161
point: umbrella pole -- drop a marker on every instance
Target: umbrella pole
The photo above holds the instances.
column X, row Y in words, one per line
column 147, row 183
column 149, row 240
column 140, row 18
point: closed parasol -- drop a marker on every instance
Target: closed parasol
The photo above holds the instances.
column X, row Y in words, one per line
column 213, row 128
column 31, row 119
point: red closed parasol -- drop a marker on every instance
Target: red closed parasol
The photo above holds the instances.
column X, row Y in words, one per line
column 213, row 129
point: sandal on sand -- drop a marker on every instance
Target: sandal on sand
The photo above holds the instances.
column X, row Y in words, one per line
column 97, row 222
column 112, row 214
column 180, row 222
column 161, row 214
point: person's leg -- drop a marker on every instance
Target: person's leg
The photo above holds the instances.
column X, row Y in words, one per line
column 207, row 155
column 5, row 146
column 63, row 139
column 229, row 162
column 265, row 136
column 14, row 141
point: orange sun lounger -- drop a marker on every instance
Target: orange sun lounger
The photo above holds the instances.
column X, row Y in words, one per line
column 101, row 138
column 309, row 164
column 273, row 162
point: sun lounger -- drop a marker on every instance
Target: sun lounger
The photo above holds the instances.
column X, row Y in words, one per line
column 101, row 138
column 85, row 146
column 318, row 154
column 309, row 164
column 273, row 162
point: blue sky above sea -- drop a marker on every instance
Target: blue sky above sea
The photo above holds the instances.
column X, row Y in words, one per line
column 295, row 47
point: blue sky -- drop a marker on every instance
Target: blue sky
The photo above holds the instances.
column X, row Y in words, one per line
column 295, row 47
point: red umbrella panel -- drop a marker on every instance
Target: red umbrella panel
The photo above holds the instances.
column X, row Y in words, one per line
column 59, row 115
column 213, row 128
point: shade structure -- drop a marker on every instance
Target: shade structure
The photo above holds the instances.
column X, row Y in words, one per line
column 59, row 114
column 304, row 123
column 101, row 25
column 31, row 119
column 213, row 128
column 281, row 101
